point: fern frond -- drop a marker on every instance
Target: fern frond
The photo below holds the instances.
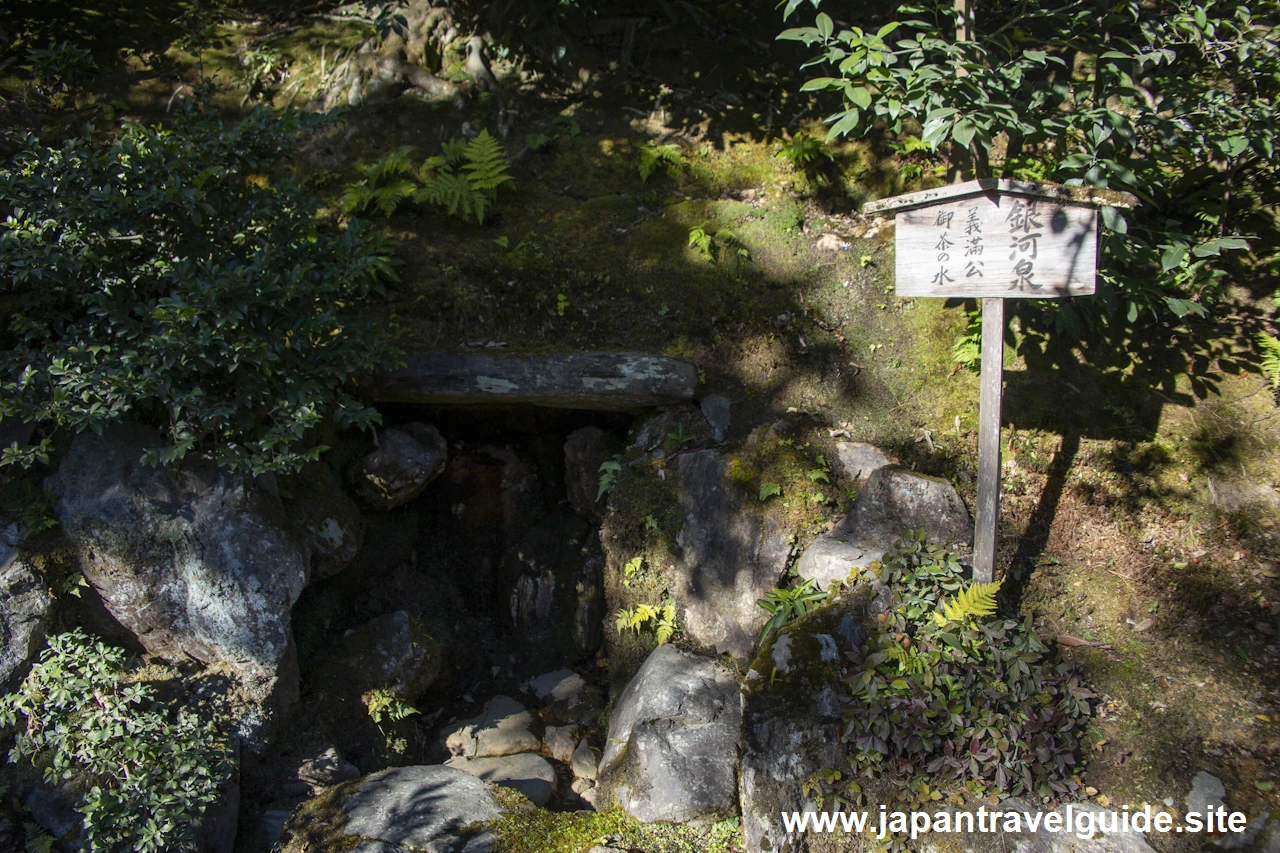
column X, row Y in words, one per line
column 654, row 157
column 431, row 165
column 1269, row 351
column 449, row 190
column 356, row 197
column 978, row 600
column 486, row 165
column 453, row 149
column 388, row 197
column 645, row 612
column 665, row 631
column 623, row 619
column 398, row 162
column 910, row 662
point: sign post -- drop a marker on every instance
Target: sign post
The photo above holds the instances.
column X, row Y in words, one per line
column 995, row 239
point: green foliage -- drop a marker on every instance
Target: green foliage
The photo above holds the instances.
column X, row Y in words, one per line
column 146, row 772
column 163, row 277
column 714, row 245
column 769, row 490
column 970, row 699
column 468, row 179
column 803, row 151
column 609, row 471
column 1174, row 104
column 662, row 618
column 979, row 599
column 967, row 350
column 38, row 841
column 382, row 704
column 655, row 157
column 1269, row 358
column 783, row 605
column 464, row 179
column 61, row 66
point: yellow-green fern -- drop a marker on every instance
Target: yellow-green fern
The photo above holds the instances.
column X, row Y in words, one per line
column 910, row 662
column 978, row 600
column 1269, row 351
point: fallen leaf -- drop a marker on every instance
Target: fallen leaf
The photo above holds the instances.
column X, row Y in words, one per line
column 1104, row 800
column 1144, row 624
column 1072, row 641
column 1091, row 791
column 1264, row 787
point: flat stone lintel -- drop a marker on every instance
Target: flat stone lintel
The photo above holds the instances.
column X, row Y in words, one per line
column 603, row 381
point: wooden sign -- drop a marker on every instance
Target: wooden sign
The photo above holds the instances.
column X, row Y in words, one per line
column 996, row 239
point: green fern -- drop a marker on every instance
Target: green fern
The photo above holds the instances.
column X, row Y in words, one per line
column 654, row 157
column 910, row 662
column 486, row 166
column 452, row 192
column 978, row 600
column 454, row 149
column 1269, row 350
column 38, row 841
column 398, row 162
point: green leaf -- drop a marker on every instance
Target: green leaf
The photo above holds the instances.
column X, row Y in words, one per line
column 860, row 96
column 825, row 25
column 818, row 83
column 769, row 490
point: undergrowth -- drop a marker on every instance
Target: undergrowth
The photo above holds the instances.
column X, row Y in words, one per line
column 952, row 695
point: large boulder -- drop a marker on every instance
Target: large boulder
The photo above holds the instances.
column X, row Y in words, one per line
column 672, row 750
column 388, row 651
column 503, row 728
column 195, row 563
column 329, row 521
column 894, row 500
column 531, row 775
column 792, row 719
column 424, row 807
column 400, row 468
column 25, row 610
column 731, row 552
column 585, row 451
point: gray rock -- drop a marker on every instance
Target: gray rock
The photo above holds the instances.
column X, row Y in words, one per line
column 1066, row 842
column 858, row 460
column 401, row 467
column 567, row 696
column 1262, row 835
column 1207, row 791
column 388, row 651
column 531, row 775
column 599, row 381
column 731, row 552
column 791, row 725
column 272, row 824
column 672, row 750
column 504, row 728
column 559, row 742
column 422, row 808
column 716, row 410
column 894, row 500
column 198, row 563
column 25, row 610
column 585, row 451
column 584, row 763
column 329, row 521
column 326, row 769
column 54, row 811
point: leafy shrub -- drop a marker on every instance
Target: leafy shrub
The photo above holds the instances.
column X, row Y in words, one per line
column 952, row 691
column 1178, row 108
column 163, row 277
column 145, row 772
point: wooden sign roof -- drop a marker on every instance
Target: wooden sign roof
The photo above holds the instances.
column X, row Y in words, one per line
column 1053, row 192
